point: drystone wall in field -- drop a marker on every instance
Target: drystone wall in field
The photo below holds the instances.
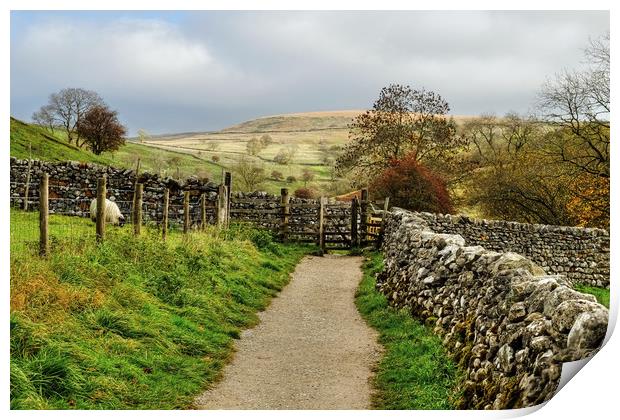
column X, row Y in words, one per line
column 507, row 323
column 581, row 254
column 72, row 186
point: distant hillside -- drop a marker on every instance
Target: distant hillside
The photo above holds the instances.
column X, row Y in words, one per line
column 54, row 147
column 307, row 121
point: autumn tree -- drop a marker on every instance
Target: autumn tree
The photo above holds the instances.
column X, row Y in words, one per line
column 412, row 186
column 67, row 107
column 403, row 121
column 101, row 130
column 577, row 104
column 215, row 158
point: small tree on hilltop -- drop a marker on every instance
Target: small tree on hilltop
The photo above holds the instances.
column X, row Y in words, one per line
column 215, row 158
column 101, row 130
column 290, row 179
column 411, row 186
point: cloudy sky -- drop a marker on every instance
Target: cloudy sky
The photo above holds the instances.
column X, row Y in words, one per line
column 189, row 71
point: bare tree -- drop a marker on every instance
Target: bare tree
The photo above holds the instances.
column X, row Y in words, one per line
column 45, row 117
column 578, row 103
column 67, row 107
column 143, row 135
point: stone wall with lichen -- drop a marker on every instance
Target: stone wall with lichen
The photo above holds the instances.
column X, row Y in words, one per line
column 507, row 323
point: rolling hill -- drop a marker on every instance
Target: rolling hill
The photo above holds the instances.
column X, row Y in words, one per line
column 53, row 147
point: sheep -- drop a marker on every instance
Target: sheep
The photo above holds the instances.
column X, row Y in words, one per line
column 112, row 213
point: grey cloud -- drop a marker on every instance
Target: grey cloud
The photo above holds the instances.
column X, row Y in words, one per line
column 217, row 68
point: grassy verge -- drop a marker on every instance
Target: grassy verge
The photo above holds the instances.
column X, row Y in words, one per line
column 415, row 372
column 601, row 294
column 133, row 323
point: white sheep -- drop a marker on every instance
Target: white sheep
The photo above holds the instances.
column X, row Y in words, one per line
column 112, row 212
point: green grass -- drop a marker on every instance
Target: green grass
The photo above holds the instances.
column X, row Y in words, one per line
column 134, row 323
column 415, row 372
column 601, row 294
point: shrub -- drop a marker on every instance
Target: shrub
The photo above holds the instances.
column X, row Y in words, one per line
column 277, row 175
column 290, row 179
column 304, row 193
column 412, row 186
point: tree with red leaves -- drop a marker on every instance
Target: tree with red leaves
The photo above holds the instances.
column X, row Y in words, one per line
column 412, row 186
column 101, row 129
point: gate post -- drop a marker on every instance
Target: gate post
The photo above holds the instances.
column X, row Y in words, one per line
column 137, row 209
column 354, row 237
column 186, row 212
column 364, row 217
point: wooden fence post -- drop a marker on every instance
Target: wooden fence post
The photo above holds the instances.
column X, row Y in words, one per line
column 164, row 222
column 203, row 211
column 222, row 206
column 43, row 215
column 286, row 208
column 322, row 224
column 137, row 209
column 228, row 184
column 135, row 182
column 354, row 236
column 185, row 211
column 101, row 208
column 364, row 217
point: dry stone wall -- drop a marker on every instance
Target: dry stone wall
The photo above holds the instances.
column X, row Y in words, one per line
column 581, row 254
column 72, row 186
column 508, row 324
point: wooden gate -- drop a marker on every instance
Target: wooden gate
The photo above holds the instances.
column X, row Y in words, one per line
column 344, row 226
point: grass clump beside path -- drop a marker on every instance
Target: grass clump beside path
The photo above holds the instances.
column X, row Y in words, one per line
column 415, row 372
column 134, row 323
column 601, row 294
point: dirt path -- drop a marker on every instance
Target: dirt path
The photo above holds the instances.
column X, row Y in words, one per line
column 311, row 350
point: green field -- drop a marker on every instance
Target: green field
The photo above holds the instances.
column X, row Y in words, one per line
column 315, row 137
column 53, row 147
column 134, row 323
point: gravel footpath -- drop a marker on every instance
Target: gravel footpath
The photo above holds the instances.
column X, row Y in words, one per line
column 311, row 349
